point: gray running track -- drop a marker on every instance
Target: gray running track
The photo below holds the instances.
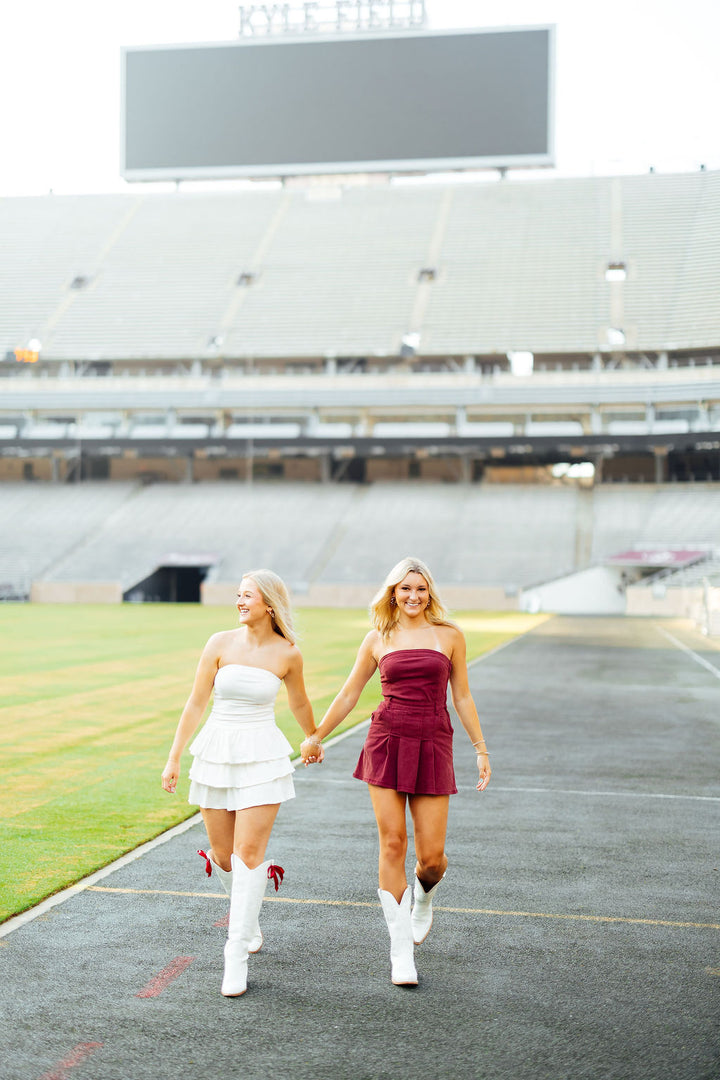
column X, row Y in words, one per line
column 577, row 933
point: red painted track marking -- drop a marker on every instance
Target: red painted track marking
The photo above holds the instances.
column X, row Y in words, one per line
column 165, row 977
column 225, row 921
column 75, row 1057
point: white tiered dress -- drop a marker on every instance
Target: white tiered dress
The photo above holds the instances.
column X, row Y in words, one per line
column 241, row 757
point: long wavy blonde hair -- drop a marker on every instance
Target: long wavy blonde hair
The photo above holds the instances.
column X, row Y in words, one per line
column 275, row 593
column 384, row 614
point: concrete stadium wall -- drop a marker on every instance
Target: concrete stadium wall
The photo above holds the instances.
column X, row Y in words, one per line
column 435, row 469
column 76, row 592
column 520, row 474
column 159, row 468
column 302, row 469
column 596, row 591
column 27, row 469
column 698, row 603
column 673, row 602
column 229, row 468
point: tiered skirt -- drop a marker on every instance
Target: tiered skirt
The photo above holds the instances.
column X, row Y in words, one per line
column 240, row 763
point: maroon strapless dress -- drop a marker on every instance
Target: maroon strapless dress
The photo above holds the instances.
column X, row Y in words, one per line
column 409, row 744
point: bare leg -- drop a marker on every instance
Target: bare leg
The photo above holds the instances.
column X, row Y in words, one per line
column 252, row 832
column 220, row 828
column 389, row 807
column 429, row 814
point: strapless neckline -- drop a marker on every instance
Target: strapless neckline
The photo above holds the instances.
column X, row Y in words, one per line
column 252, row 667
column 394, row 652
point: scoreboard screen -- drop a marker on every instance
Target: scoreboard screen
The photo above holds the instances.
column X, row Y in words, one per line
column 390, row 102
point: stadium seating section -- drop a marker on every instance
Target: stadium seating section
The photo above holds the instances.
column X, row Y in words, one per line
column 507, row 536
column 350, row 313
column 288, row 274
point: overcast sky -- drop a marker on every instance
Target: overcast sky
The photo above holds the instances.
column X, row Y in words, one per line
column 638, row 81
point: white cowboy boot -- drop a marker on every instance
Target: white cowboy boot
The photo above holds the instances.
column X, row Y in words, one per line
column 225, row 877
column 397, row 917
column 422, row 913
column 248, row 888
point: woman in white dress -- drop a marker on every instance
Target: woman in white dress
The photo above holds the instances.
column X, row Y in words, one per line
column 241, row 770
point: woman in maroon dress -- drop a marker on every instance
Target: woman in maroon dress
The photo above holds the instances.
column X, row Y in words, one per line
column 407, row 758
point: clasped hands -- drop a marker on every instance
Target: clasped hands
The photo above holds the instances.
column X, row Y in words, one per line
column 311, row 751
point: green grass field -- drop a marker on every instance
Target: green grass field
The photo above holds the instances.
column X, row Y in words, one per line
column 92, row 695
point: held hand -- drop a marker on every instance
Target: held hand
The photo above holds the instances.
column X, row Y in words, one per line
column 484, row 770
column 170, row 776
column 311, row 752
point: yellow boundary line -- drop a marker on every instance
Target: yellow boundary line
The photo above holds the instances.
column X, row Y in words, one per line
column 450, row 910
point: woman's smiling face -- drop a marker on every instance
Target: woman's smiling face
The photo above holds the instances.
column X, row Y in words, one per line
column 412, row 594
column 250, row 604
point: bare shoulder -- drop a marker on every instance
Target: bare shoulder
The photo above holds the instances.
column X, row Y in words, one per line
column 455, row 640
column 371, row 645
column 218, row 642
column 290, row 655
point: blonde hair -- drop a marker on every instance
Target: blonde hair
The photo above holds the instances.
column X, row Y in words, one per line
column 275, row 593
column 384, row 614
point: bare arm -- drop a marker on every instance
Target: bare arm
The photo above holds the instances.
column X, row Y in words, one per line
column 193, row 712
column 363, row 670
column 465, row 708
column 298, row 700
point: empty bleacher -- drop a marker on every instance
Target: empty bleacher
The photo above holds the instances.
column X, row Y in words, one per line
column 285, row 274
column 653, row 516
column 312, row 534
column 43, row 526
column 480, row 536
column 502, row 537
column 236, row 526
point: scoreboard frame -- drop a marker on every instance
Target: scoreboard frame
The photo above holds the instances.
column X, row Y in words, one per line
column 390, row 102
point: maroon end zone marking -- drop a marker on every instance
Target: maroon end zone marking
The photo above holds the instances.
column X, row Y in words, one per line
column 75, row 1057
column 165, row 977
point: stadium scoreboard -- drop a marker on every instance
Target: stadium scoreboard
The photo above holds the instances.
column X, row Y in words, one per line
column 402, row 101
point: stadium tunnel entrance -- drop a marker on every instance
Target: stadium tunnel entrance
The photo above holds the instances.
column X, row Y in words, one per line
column 176, row 580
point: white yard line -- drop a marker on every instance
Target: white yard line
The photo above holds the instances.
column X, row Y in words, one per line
column 695, row 656
column 607, row 794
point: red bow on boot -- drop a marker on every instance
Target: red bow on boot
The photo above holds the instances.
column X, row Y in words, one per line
column 275, row 874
